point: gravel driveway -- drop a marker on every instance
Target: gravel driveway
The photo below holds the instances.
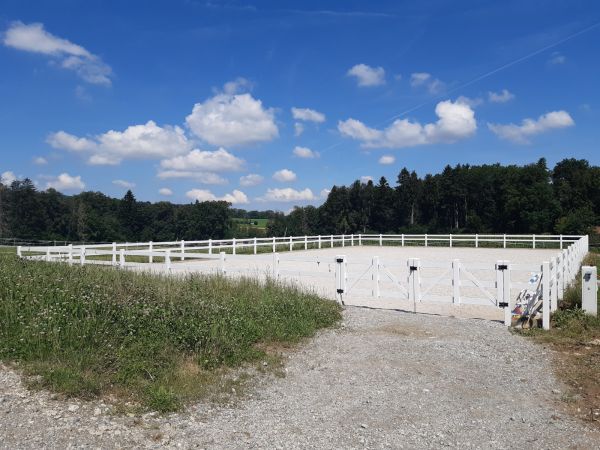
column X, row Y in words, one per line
column 385, row 379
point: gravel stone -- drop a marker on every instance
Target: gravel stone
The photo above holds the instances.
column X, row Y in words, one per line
column 388, row 379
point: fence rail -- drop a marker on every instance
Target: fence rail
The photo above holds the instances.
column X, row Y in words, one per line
column 413, row 279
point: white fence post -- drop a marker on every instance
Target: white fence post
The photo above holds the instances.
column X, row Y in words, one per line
column 274, row 244
column 319, row 241
column 589, row 290
column 222, row 265
column 375, row 277
column 122, row 258
column 233, row 246
column 359, row 239
column 546, row 295
column 181, row 258
column 504, row 241
column 70, row 254
column 340, row 277
column 291, row 244
column 561, row 242
column 47, row 253
column 20, row 251
column 150, row 249
column 425, row 239
column 276, row 266
column 210, row 246
column 414, row 281
column 476, row 241
column 305, row 243
column 402, row 239
column 168, row 260
column 554, row 284
column 114, row 253
column 456, row 281
column 82, row 255
column 343, row 240
column 533, row 240
column 380, row 240
column 331, row 238
column 450, row 240
column 351, row 240
column 255, row 246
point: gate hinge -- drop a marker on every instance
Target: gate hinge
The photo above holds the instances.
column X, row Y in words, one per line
column 503, row 304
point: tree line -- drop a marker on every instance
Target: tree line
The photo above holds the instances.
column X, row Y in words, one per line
column 474, row 199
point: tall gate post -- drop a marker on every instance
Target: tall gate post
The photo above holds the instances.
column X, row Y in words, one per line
column 554, row 284
column 503, row 290
column 414, row 281
column 276, row 266
column 546, row 295
column 375, row 277
column 456, row 281
column 340, row 277
column 222, row 259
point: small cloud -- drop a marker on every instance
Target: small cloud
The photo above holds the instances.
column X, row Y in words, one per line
column 200, row 176
column 308, row 115
column 284, row 176
column 366, row 178
column 34, row 38
column 40, row 161
column 471, row 102
column 530, row 127
column 66, row 182
column 287, row 195
column 367, row 76
column 298, row 129
column 203, row 195
column 500, row 97
column 7, row 177
column 556, row 58
column 124, row 184
column 165, row 191
column 305, row 152
column 252, row 179
column 424, row 79
column 387, row 160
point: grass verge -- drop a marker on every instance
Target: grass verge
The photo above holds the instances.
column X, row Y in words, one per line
column 155, row 341
column 575, row 338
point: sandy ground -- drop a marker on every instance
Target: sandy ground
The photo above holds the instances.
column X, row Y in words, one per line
column 315, row 270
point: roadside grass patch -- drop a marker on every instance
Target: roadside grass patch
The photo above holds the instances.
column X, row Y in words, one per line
column 155, row 341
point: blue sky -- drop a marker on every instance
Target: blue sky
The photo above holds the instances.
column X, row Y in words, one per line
column 269, row 104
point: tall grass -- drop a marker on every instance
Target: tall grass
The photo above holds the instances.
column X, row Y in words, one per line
column 154, row 340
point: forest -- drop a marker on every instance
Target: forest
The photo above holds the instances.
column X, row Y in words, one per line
column 473, row 199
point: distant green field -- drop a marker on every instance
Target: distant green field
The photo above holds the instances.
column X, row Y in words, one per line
column 258, row 223
column 12, row 250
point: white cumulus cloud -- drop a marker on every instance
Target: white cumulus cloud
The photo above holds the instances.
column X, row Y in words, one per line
column 124, row 184
column 252, row 179
column 367, row 75
column 35, row 39
column 66, row 182
column 387, row 160
column 287, row 195
column 500, row 97
column 7, row 177
column 215, row 161
column 229, row 119
column 284, row 175
column 456, row 122
column 200, row 176
column 305, row 152
column 147, row 141
column 203, row 195
column 165, row 191
column 308, row 115
column 520, row 134
column 40, row 160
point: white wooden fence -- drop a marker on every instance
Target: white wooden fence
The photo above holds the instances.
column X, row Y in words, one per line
column 414, row 279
